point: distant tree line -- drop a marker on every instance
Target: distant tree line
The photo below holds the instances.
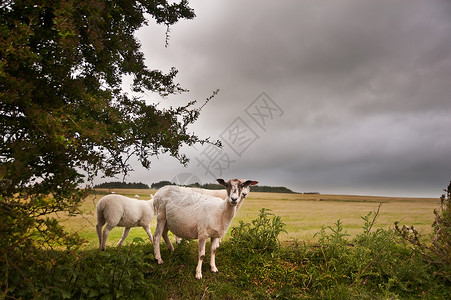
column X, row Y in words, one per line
column 209, row 186
column 271, row 189
column 161, row 184
column 214, row 186
column 122, row 185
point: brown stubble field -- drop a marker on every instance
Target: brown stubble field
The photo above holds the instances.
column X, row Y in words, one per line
column 304, row 215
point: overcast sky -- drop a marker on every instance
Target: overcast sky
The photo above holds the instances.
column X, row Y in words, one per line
column 337, row 97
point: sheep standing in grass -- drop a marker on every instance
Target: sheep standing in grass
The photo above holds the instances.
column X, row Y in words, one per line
column 223, row 194
column 118, row 210
column 192, row 215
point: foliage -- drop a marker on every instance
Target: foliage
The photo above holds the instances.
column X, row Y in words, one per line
column 271, row 189
column 261, row 235
column 438, row 251
column 374, row 265
column 115, row 274
column 208, row 186
column 161, row 184
column 121, row 185
column 64, row 118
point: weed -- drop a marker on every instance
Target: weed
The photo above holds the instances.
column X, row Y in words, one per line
column 259, row 236
column 438, row 251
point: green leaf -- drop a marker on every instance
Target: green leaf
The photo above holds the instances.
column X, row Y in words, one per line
column 138, row 240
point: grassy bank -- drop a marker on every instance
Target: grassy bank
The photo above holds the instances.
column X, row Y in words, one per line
column 333, row 247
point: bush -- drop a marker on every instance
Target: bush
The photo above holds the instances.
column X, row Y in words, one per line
column 116, row 274
column 260, row 236
column 375, row 263
column 438, row 251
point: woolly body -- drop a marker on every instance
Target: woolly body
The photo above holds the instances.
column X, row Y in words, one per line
column 117, row 210
column 193, row 215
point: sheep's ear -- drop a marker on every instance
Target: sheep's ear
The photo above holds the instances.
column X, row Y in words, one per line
column 221, row 182
column 249, row 182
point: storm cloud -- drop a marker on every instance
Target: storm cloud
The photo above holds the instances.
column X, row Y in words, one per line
column 359, row 90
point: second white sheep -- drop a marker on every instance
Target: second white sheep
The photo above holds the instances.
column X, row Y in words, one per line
column 117, row 210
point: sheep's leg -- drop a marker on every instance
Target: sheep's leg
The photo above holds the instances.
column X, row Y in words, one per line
column 106, row 232
column 100, row 222
column 161, row 223
column 214, row 246
column 124, row 236
column 166, row 239
column 202, row 242
column 149, row 233
column 99, row 233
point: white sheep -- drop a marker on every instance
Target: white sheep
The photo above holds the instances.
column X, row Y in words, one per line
column 118, row 210
column 192, row 215
column 223, row 194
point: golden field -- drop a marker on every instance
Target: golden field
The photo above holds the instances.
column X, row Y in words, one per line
column 303, row 214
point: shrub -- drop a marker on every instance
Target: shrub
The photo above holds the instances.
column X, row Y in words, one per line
column 375, row 263
column 120, row 273
column 259, row 236
column 438, row 251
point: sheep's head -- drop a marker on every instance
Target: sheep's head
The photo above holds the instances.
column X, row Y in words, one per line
column 247, row 189
column 235, row 188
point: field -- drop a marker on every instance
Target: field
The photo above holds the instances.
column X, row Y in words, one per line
column 304, row 215
column 318, row 257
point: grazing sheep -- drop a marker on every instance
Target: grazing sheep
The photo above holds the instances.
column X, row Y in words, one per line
column 192, row 215
column 118, row 210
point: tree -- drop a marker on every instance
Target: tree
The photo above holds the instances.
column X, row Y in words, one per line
column 64, row 118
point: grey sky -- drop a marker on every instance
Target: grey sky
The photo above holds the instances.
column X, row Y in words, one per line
column 362, row 90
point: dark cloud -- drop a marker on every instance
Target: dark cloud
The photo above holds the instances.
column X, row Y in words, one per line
column 364, row 87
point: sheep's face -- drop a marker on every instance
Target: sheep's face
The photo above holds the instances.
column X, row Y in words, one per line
column 246, row 189
column 235, row 189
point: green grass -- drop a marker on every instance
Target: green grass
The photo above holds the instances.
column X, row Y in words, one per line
column 303, row 214
column 327, row 252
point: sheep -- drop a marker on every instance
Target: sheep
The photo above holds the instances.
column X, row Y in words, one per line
column 192, row 215
column 117, row 210
column 222, row 194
